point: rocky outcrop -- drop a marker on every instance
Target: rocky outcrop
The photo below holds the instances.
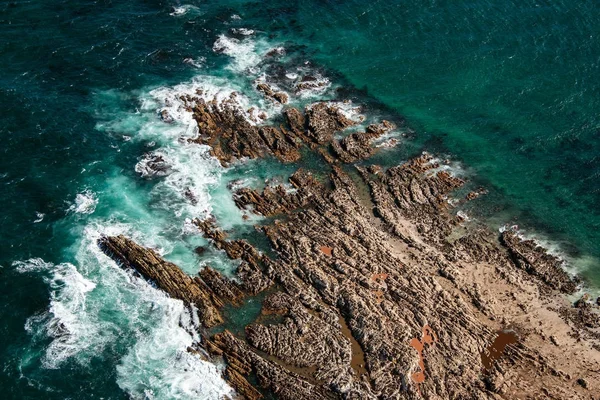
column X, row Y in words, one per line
column 166, row 275
column 228, row 131
column 373, row 288
column 221, row 286
column 536, row 260
column 285, row 384
column 357, row 146
column 251, row 269
column 268, row 91
column 279, row 199
column 310, row 83
column 324, row 120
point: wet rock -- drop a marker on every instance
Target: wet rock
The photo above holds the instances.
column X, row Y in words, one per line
column 153, row 165
column 310, row 83
column 268, row 91
column 526, row 254
column 221, row 286
column 166, row 275
column 241, row 384
column 230, row 134
column 324, row 120
column 357, row 146
column 583, row 301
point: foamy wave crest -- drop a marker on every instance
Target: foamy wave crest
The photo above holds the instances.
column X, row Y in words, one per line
column 454, row 168
column 160, row 367
column 154, row 164
column 85, row 203
column 167, row 102
column 244, row 52
column 67, row 320
column 184, row 9
column 188, row 171
column 157, row 366
column 243, row 31
column 97, row 307
column 185, row 191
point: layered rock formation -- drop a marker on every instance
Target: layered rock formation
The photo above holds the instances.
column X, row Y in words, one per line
column 376, row 290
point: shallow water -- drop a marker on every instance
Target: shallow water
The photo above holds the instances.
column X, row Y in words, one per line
column 508, row 90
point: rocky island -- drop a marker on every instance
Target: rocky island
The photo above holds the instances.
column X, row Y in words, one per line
column 372, row 288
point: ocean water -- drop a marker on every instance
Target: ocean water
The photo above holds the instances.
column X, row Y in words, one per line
column 507, row 90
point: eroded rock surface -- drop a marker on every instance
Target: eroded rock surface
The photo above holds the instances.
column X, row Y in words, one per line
column 166, row 275
column 533, row 258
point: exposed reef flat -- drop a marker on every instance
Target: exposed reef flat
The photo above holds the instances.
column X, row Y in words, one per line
column 374, row 288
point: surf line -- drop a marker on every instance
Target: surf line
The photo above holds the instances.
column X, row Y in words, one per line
column 428, row 337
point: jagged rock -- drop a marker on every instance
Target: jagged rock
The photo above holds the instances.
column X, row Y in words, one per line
column 251, row 270
column 534, row 259
column 309, row 82
column 227, row 130
column 221, row 286
column 583, row 300
column 166, row 275
column 268, row 91
column 241, row 385
column 295, row 120
column 153, row 165
column 357, row 146
column 324, row 120
column 278, row 199
column 285, row 384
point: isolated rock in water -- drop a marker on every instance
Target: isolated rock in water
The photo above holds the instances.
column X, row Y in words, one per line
column 153, row 165
column 268, row 91
column 310, row 83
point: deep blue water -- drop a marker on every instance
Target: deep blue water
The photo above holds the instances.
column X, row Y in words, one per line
column 508, row 89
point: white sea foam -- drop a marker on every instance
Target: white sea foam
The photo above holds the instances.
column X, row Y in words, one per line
column 196, row 62
column 313, row 88
column 184, row 9
column 349, row 110
column 96, row 305
column 159, row 367
column 205, row 87
column 190, row 172
column 185, row 191
column 85, row 203
column 243, row 31
column 244, row 53
column 67, row 321
column 39, row 217
column 453, row 167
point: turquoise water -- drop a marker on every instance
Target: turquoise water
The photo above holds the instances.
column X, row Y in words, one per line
column 508, row 90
